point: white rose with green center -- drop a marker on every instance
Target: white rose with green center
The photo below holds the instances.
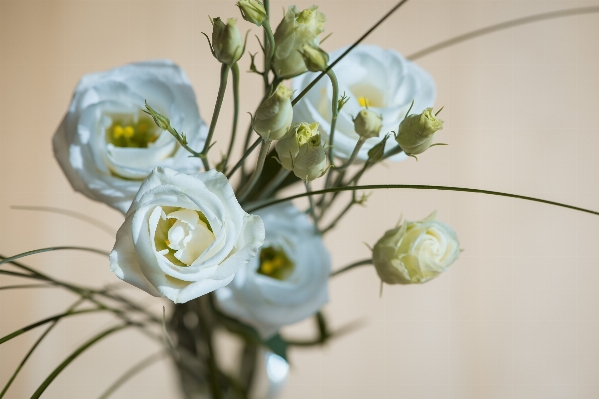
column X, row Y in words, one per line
column 415, row 252
column 287, row 282
column 382, row 80
column 184, row 236
column 106, row 145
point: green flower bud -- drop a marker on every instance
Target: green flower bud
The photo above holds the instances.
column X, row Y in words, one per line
column 375, row 154
column 311, row 160
column 296, row 29
column 315, row 58
column 161, row 121
column 368, row 124
column 252, row 11
column 416, row 132
column 288, row 147
column 273, row 117
column 226, row 41
column 415, row 252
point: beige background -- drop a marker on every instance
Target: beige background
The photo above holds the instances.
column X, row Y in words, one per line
column 517, row 317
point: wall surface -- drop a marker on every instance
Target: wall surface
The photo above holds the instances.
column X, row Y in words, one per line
column 516, row 317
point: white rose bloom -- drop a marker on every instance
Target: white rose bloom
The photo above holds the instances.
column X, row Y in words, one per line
column 415, row 252
column 184, row 235
column 371, row 76
column 287, row 282
column 106, row 145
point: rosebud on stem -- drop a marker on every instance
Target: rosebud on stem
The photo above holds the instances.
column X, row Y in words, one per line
column 226, row 41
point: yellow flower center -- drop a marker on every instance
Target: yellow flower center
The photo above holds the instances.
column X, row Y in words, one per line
column 128, row 131
column 364, row 102
column 274, row 263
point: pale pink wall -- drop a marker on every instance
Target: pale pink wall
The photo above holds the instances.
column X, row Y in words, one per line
column 516, row 317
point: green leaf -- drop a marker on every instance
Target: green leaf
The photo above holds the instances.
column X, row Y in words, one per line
column 277, row 345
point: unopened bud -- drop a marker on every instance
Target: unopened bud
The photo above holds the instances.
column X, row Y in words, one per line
column 226, row 41
column 161, row 121
column 416, row 132
column 368, row 124
column 252, row 11
column 288, row 147
column 273, row 117
column 376, row 153
column 315, row 58
column 311, row 160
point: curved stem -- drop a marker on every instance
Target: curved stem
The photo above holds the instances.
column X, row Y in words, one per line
column 81, row 216
column 421, row 187
column 312, row 209
column 363, row 262
column 256, row 175
column 338, row 218
column 334, row 114
column 42, row 250
column 274, row 183
column 235, row 75
column 353, row 156
column 247, row 153
column 224, row 72
column 270, row 51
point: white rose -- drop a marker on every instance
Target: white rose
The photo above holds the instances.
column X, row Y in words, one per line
column 106, row 145
column 371, row 76
column 287, row 282
column 415, row 252
column 184, row 235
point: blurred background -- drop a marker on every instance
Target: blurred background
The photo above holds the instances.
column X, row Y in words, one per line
column 516, row 317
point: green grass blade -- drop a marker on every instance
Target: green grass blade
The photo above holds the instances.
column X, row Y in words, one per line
column 73, row 356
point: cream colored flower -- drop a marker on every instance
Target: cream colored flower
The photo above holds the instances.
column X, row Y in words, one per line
column 226, row 41
column 416, row 132
column 274, row 115
column 184, row 236
column 310, row 162
column 296, row 29
column 415, row 252
column 288, row 147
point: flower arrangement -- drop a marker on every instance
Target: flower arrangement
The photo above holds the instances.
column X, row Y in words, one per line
column 243, row 258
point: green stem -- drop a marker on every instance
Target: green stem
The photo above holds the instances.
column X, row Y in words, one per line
column 247, row 153
column 270, row 51
column 274, row 183
column 235, row 75
column 42, row 250
column 73, row 356
column 420, row 187
column 334, row 114
column 256, row 175
column 19, row 286
column 224, row 72
column 338, row 218
column 364, row 36
column 312, row 209
column 353, row 156
column 81, row 216
column 363, row 262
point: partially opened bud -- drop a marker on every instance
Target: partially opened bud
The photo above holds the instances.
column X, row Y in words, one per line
column 288, row 147
column 315, row 58
column 415, row 252
column 416, row 132
column 311, row 160
column 368, row 124
column 274, row 115
column 226, row 41
column 252, row 11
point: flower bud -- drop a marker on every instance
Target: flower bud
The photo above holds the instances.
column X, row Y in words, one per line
column 288, row 147
column 416, row 132
column 252, row 11
column 226, row 41
column 315, row 58
column 415, row 252
column 296, row 29
column 368, row 124
column 274, row 115
column 311, row 160
column 376, row 153
column 161, row 121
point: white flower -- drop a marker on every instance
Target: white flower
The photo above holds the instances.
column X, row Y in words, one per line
column 287, row 282
column 106, row 145
column 415, row 252
column 371, row 76
column 184, row 235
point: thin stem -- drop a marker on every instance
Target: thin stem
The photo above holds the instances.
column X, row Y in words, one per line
column 270, row 51
column 363, row 262
column 274, row 183
column 81, row 216
column 501, row 26
column 338, row 218
column 19, row 286
column 136, row 369
column 353, row 156
column 247, row 153
column 256, row 175
column 334, row 114
column 224, row 72
column 420, row 187
column 42, row 250
column 364, row 36
column 235, row 75
column 312, row 209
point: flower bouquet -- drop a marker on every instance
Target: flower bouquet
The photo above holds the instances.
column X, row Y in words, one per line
column 220, row 238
